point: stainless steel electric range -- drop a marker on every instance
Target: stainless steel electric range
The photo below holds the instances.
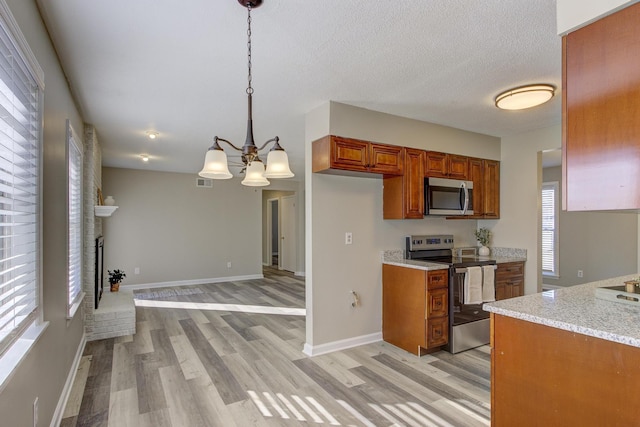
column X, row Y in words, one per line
column 468, row 323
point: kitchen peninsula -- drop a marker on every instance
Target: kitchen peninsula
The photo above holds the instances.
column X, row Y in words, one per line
column 564, row 357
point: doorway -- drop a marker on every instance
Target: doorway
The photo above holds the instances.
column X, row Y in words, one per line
column 288, row 234
column 279, row 229
column 273, row 233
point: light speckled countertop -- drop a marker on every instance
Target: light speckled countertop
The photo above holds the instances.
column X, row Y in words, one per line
column 396, row 257
column 576, row 309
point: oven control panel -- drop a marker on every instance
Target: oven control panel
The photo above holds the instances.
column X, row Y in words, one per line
column 420, row 243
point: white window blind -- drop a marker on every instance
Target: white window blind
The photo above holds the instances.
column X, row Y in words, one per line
column 74, row 209
column 20, row 103
column 550, row 228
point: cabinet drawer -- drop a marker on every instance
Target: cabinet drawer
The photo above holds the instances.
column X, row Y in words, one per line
column 437, row 279
column 509, row 270
column 437, row 332
column 437, row 303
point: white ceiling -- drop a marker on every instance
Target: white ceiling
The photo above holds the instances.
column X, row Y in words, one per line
column 180, row 68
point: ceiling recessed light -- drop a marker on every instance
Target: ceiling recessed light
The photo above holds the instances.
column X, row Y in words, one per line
column 144, row 158
column 152, row 134
column 523, row 97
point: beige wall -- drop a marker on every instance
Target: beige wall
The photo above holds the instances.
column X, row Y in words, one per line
column 336, row 205
column 44, row 370
column 175, row 231
column 601, row 244
column 521, row 180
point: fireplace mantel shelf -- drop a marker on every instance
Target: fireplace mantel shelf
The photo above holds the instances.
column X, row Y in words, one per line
column 104, row 211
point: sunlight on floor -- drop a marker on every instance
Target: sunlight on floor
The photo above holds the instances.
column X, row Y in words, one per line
column 309, row 409
column 259, row 309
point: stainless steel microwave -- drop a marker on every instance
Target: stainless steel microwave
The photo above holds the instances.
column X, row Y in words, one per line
column 448, row 197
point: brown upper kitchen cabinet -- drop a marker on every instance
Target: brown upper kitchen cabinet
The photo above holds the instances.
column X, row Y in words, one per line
column 444, row 165
column 485, row 175
column 403, row 196
column 335, row 154
column 601, row 113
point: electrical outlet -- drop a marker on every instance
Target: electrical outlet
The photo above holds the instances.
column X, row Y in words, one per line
column 348, row 238
column 136, row 270
column 229, row 264
column 35, row 412
column 580, row 273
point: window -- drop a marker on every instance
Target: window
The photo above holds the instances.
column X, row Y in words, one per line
column 74, row 209
column 550, row 229
column 20, row 151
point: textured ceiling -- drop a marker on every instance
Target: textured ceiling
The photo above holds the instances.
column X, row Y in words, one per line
column 179, row 68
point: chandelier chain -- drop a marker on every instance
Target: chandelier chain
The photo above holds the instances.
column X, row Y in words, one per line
column 249, row 88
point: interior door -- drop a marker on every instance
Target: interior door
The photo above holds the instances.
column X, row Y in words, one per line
column 288, row 233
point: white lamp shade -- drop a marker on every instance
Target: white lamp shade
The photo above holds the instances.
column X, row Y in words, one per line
column 254, row 175
column 278, row 165
column 524, row 97
column 215, row 165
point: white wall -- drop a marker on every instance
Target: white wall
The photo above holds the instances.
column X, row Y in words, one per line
column 45, row 368
column 573, row 14
column 337, row 204
column 601, row 244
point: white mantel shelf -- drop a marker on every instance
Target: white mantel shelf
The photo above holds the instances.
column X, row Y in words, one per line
column 104, row 211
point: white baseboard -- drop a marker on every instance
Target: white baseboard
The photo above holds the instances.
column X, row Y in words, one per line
column 330, row 347
column 66, row 391
column 299, row 273
column 545, row 286
column 192, row 282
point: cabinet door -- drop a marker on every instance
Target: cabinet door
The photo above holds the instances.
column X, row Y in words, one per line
column 386, row 159
column 476, row 175
column 437, row 303
column 403, row 307
column 601, row 110
column 517, row 288
column 413, row 184
column 436, row 165
column 437, row 331
column 491, row 189
column 458, row 166
column 501, row 291
column 350, row 154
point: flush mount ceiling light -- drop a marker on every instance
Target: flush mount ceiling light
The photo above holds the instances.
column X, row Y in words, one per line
column 152, row 134
column 523, row 97
column 144, row 158
column 215, row 162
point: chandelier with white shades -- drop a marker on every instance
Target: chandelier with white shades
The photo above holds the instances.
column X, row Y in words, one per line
column 215, row 162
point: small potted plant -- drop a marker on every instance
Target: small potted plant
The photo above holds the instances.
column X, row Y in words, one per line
column 115, row 277
column 483, row 236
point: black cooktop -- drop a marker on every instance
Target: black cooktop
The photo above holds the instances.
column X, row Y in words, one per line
column 465, row 261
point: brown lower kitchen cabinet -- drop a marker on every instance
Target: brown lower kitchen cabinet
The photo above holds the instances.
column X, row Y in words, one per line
column 544, row 376
column 415, row 308
column 509, row 280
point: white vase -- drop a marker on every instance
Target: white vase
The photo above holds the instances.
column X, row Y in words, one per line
column 109, row 201
column 483, row 251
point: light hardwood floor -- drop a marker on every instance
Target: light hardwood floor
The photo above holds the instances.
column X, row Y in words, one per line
column 200, row 367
